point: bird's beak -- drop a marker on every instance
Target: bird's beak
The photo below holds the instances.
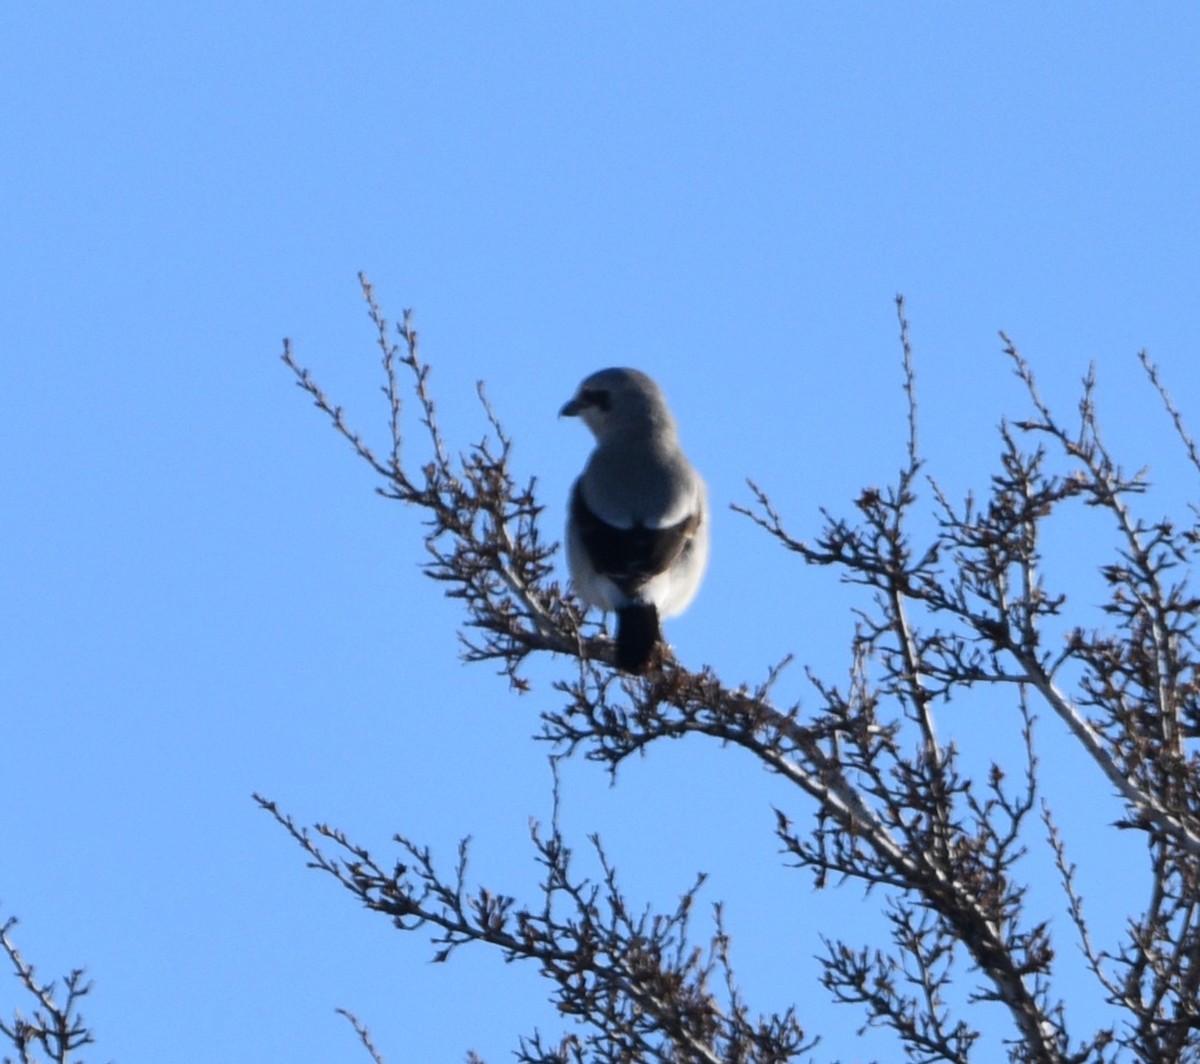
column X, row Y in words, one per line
column 571, row 409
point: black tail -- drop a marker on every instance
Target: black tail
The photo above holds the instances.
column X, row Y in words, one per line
column 637, row 636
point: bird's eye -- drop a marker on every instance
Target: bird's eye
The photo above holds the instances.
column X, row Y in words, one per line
column 598, row 398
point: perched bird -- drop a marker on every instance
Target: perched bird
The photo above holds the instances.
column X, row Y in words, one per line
column 637, row 529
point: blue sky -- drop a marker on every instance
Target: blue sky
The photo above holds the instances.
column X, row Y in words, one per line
column 203, row 596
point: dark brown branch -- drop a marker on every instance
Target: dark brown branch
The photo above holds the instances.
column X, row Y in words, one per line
column 887, row 805
column 55, row 1026
column 634, row 977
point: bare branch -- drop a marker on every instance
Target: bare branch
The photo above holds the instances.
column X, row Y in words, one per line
column 364, row 1035
column 634, row 978
column 55, row 1026
column 1172, row 410
column 886, row 803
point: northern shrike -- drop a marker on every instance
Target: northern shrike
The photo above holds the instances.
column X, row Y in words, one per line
column 637, row 529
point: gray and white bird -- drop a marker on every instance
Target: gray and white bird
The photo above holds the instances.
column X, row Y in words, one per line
column 637, row 528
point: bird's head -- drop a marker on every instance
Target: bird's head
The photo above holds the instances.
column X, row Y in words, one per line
column 620, row 399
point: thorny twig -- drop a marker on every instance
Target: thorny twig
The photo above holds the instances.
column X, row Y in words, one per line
column 55, row 1026
column 890, row 806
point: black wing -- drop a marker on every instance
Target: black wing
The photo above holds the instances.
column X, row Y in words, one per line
column 629, row 556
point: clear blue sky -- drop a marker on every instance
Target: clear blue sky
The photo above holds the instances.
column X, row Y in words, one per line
column 202, row 595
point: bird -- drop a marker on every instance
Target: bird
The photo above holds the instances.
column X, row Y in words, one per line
column 637, row 523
